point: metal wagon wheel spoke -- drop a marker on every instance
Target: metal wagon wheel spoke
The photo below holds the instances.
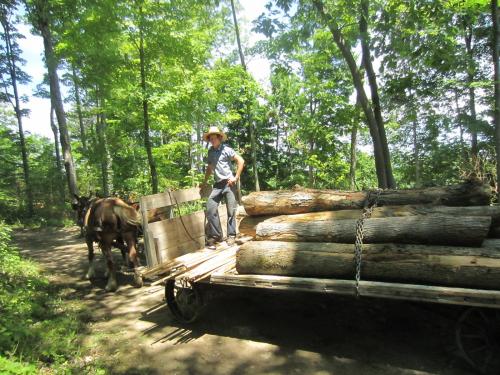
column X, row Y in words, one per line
column 184, row 300
column 477, row 335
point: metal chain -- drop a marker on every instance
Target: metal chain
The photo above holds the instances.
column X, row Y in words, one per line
column 358, row 243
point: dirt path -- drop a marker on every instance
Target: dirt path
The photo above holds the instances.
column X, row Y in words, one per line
column 247, row 331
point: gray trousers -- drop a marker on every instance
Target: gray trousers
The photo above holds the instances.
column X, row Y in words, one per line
column 221, row 190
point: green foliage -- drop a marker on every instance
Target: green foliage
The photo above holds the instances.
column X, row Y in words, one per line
column 51, row 208
column 37, row 328
column 303, row 120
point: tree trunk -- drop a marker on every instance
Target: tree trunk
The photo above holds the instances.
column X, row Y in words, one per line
column 277, row 148
column 310, row 172
column 83, row 137
column 372, row 82
column 471, row 71
column 308, row 200
column 353, row 157
column 434, row 265
column 495, row 14
column 432, row 229
column 55, row 131
column 11, row 63
column 42, row 24
column 416, row 153
column 145, row 109
column 251, row 126
column 253, row 144
column 463, row 153
column 380, row 164
column 103, row 148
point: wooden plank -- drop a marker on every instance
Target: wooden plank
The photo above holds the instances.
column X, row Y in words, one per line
column 174, row 250
column 189, row 261
column 186, row 261
column 149, row 247
column 411, row 292
column 157, row 251
column 163, row 199
column 204, row 269
column 171, row 234
column 194, row 223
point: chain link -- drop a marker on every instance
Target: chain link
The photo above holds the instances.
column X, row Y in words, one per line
column 358, row 243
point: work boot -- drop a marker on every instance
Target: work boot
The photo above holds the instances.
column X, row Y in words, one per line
column 211, row 243
column 231, row 240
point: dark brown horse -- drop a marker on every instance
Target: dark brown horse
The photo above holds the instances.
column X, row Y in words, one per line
column 111, row 222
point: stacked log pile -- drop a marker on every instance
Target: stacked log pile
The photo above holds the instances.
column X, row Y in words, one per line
column 433, row 236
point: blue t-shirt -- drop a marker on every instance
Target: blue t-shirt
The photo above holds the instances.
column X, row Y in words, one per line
column 220, row 160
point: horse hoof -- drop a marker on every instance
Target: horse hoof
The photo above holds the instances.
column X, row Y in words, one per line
column 90, row 274
column 138, row 281
column 111, row 286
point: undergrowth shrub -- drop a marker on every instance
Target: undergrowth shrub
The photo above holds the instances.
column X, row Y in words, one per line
column 37, row 328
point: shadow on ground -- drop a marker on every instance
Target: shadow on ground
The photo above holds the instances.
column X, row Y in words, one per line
column 245, row 331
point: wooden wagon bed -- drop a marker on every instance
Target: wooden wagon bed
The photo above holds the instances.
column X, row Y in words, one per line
column 175, row 256
column 174, row 251
column 218, row 268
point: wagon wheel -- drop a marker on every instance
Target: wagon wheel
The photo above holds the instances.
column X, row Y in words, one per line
column 184, row 300
column 477, row 334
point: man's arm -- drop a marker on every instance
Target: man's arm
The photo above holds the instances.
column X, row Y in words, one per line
column 208, row 173
column 240, row 162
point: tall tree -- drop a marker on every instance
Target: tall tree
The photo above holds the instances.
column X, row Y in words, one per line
column 468, row 31
column 39, row 12
column 10, row 60
column 372, row 82
column 251, row 126
column 145, row 102
column 55, row 131
column 340, row 41
column 495, row 14
column 83, row 136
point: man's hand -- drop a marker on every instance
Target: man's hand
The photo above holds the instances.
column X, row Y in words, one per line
column 231, row 181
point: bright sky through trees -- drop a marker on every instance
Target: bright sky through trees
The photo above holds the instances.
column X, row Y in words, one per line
column 32, row 47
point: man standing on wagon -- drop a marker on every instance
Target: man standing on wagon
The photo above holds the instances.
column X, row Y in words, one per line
column 220, row 158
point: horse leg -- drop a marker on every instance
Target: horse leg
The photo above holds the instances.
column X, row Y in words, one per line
column 90, row 248
column 130, row 240
column 106, row 242
column 124, row 250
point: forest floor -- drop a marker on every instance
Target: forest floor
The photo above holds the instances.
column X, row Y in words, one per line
column 245, row 331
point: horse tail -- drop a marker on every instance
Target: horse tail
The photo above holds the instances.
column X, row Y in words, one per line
column 127, row 214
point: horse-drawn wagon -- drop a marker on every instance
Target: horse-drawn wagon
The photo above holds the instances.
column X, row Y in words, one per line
column 176, row 256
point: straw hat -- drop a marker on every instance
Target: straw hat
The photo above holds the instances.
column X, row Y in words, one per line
column 214, row 130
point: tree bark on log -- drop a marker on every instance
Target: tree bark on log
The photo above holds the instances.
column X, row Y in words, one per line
column 433, row 265
column 388, row 211
column 431, row 229
column 247, row 225
column 279, row 202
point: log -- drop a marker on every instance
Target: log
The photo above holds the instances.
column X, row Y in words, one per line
column 431, row 265
column 429, row 229
column 470, row 193
column 385, row 211
column 248, row 224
